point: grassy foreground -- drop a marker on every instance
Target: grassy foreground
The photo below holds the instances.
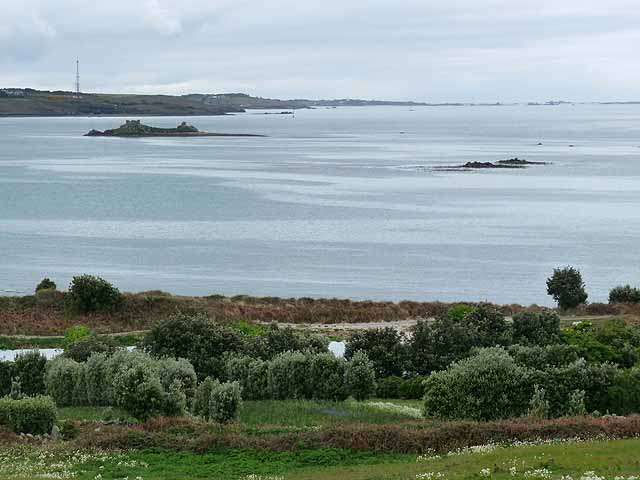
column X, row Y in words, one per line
column 614, row 459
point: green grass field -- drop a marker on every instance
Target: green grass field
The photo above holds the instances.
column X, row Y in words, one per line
column 613, row 459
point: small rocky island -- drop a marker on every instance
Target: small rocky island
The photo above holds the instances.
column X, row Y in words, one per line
column 510, row 163
column 134, row 128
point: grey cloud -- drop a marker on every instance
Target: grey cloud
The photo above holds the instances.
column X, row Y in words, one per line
column 438, row 50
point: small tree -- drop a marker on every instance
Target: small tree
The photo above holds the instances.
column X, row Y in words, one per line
column 536, row 328
column 46, row 284
column 29, row 368
column 624, row 294
column 92, row 294
column 567, row 288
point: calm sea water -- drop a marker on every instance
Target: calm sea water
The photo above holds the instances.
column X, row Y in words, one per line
column 334, row 202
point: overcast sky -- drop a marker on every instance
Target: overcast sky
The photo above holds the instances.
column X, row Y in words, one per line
column 429, row 50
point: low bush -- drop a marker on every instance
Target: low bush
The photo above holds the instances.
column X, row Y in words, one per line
column 543, row 357
column 75, row 334
column 288, row 376
column 225, row 402
column 180, row 371
column 88, row 293
column 65, row 381
column 252, row 374
column 203, row 397
column 487, row 386
column 80, row 350
column 96, row 380
column 389, row 387
column 412, row 388
column 34, row 415
column 326, row 377
column 279, row 340
column 29, row 369
column 624, row 294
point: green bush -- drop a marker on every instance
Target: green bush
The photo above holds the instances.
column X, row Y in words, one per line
column 75, row 334
column 29, row 368
column 389, row 387
column 536, row 328
column 279, row 340
column 46, row 284
column 7, row 373
column 252, row 374
column 490, row 385
column 488, row 326
column 544, row 357
column 567, row 288
column 360, row 376
column 34, row 415
column 202, row 397
column 92, row 294
column 82, row 349
column 624, row 393
column 195, row 338
column 288, row 376
column 412, row 388
column 180, row 371
column 66, row 382
column 614, row 342
column 225, row 402
column 624, row 294
column 96, row 380
column 327, row 377
column 385, row 348
column 137, row 389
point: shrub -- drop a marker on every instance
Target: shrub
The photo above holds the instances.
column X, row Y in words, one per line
column 624, row 294
column 195, row 338
column 488, row 326
column 412, row 388
column 75, row 334
column 576, row 404
column 46, row 284
column 360, row 376
column 95, row 376
column 7, row 373
column 536, row 328
column 567, row 288
column 384, row 347
column 138, row 390
column 615, row 342
column 489, row 385
column 327, row 377
column 251, row 374
column 29, row 368
column 34, row 415
column 82, row 349
column 66, row 382
column 225, row 402
column 624, row 393
column 279, row 340
column 180, row 371
column 544, row 357
column 539, row 405
column 203, row 397
column 92, row 294
column 389, row 387
column 288, row 376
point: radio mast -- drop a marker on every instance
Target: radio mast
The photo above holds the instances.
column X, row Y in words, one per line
column 77, row 78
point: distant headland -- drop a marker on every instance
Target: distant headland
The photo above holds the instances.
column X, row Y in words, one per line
column 27, row 102
column 135, row 128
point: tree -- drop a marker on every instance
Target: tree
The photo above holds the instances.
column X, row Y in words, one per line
column 92, row 294
column 46, row 284
column 360, row 377
column 567, row 288
column 624, row 294
column 384, row 347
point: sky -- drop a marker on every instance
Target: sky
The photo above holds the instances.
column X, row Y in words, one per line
column 425, row 50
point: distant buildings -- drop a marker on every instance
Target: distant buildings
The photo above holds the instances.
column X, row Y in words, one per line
column 11, row 92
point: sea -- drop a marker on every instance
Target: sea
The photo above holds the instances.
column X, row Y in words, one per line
column 331, row 202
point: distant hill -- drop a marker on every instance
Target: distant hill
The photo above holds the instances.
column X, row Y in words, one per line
column 30, row 102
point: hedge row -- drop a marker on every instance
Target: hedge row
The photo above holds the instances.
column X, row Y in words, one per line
column 35, row 415
column 297, row 375
column 134, row 381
